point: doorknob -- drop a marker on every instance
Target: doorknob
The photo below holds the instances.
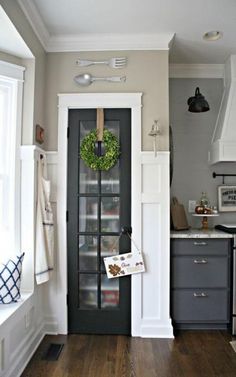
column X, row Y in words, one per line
column 126, row 230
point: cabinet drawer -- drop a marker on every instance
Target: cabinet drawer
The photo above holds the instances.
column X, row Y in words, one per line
column 199, row 271
column 200, row 246
column 200, row 305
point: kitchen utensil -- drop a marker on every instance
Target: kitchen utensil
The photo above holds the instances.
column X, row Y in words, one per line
column 86, row 79
column 178, row 215
column 112, row 63
column 99, row 145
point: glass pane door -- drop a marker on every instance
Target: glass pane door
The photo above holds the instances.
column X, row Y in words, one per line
column 99, row 227
column 99, row 203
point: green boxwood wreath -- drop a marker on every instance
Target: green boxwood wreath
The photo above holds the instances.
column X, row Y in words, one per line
column 112, row 151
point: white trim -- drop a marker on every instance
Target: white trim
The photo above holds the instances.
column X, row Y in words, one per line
column 35, row 21
column 109, row 42
column 196, row 71
column 12, row 71
column 94, row 100
column 92, row 42
column 154, row 321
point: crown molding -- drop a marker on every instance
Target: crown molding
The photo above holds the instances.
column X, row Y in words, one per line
column 109, row 42
column 210, row 71
column 35, row 20
column 91, row 42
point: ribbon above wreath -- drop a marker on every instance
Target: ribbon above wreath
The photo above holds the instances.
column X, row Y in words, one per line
column 100, row 149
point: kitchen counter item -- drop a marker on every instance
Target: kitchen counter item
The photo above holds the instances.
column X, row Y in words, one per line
column 197, row 233
column 205, row 218
column 178, row 215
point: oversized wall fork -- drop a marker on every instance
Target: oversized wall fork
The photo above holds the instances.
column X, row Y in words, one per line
column 118, row 62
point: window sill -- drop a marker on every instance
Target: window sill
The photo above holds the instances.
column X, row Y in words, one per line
column 7, row 310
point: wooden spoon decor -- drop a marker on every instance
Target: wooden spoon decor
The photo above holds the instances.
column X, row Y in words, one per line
column 99, row 145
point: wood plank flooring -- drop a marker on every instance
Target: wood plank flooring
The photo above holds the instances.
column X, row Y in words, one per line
column 190, row 354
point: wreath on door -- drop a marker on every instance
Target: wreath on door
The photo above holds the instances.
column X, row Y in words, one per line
column 91, row 159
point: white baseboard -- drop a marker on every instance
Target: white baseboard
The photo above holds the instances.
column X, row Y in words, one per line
column 50, row 325
column 157, row 331
column 25, row 351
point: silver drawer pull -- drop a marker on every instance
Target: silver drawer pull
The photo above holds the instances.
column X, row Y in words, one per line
column 200, row 294
column 200, row 243
column 200, row 261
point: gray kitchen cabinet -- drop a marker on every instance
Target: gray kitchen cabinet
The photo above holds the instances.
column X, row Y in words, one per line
column 200, row 283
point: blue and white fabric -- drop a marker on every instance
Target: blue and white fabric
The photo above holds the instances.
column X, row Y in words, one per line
column 10, row 278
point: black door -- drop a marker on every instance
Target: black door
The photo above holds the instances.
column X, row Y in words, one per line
column 98, row 206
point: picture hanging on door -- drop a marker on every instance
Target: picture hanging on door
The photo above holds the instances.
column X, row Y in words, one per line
column 124, row 264
column 100, row 149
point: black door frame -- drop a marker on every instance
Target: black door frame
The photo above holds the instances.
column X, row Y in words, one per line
column 85, row 101
column 97, row 320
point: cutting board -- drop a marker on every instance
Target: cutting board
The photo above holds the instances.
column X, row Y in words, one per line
column 178, row 215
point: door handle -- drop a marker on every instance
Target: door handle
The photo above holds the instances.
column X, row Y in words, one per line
column 126, row 230
column 200, row 243
column 200, row 261
column 200, row 295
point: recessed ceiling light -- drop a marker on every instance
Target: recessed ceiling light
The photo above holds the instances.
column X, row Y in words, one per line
column 213, row 35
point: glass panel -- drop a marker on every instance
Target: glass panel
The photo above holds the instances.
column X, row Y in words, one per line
column 109, row 247
column 109, row 292
column 88, row 253
column 88, row 214
column 88, row 291
column 85, row 127
column 110, row 210
column 88, row 179
column 110, row 180
column 114, row 127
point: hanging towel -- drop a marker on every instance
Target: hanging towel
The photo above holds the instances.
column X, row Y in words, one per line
column 44, row 227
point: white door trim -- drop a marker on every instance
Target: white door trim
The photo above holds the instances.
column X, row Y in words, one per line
column 87, row 101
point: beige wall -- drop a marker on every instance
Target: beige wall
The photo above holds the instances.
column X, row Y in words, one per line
column 146, row 72
column 34, row 99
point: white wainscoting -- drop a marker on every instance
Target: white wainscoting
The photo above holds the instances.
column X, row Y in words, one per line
column 150, row 290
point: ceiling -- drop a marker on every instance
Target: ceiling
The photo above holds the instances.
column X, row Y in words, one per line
column 143, row 23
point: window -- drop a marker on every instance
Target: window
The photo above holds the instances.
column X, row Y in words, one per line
column 10, row 132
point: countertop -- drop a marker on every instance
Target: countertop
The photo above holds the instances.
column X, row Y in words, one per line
column 198, row 233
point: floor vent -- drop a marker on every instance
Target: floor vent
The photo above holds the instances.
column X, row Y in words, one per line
column 53, row 352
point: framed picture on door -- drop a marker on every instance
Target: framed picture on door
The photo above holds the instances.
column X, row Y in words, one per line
column 227, row 198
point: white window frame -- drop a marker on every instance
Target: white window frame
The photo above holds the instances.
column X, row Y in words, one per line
column 14, row 76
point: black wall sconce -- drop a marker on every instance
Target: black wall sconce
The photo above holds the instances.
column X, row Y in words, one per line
column 198, row 104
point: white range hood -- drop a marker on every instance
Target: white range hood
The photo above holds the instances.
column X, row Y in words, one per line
column 223, row 146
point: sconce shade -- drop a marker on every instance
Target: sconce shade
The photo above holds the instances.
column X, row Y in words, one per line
column 198, row 104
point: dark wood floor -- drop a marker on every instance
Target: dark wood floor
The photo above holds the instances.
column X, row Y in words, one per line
column 190, row 354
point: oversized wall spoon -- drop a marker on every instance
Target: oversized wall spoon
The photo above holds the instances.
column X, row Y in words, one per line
column 86, row 79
